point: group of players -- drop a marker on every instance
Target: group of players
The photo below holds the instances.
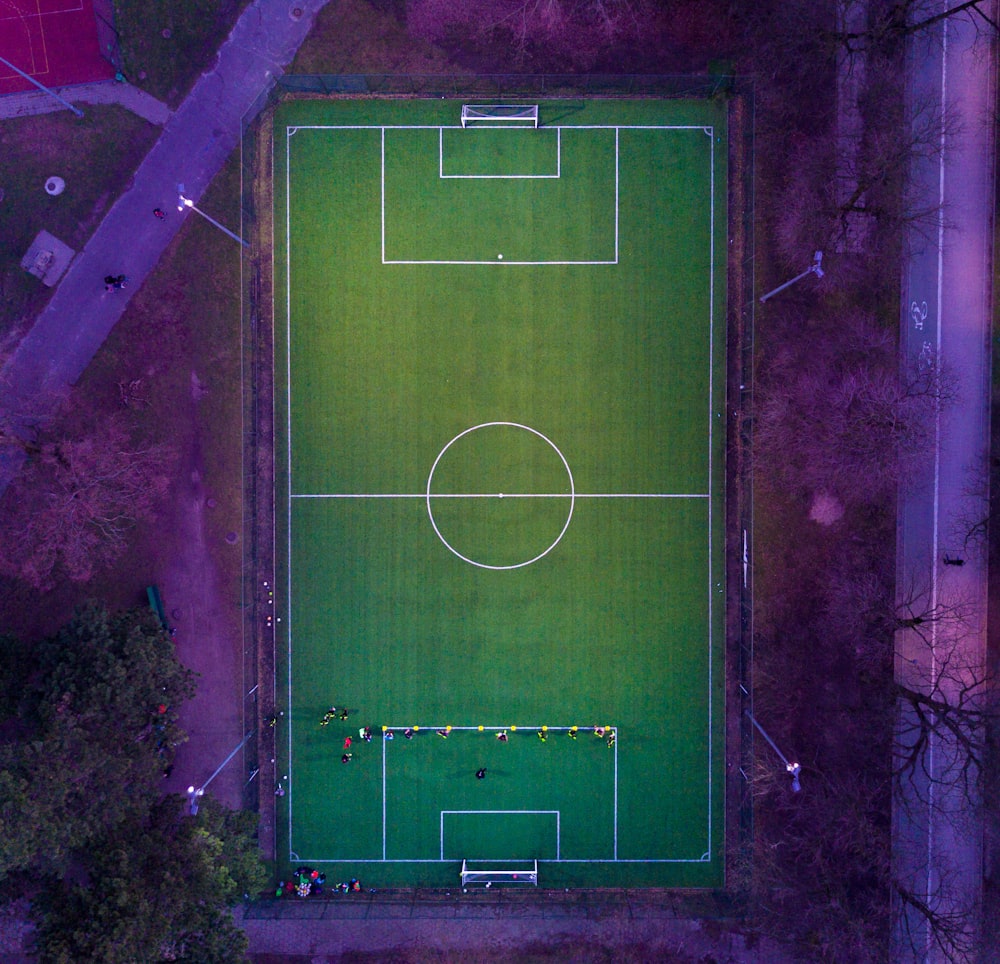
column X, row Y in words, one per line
column 606, row 733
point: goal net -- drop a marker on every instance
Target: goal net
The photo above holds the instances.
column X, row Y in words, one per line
column 525, row 115
column 487, row 875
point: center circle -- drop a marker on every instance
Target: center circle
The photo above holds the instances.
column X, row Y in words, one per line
column 467, row 468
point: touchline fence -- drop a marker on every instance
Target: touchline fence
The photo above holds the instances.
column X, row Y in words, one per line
column 258, row 668
column 507, row 85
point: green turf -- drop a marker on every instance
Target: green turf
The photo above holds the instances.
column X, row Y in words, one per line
column 580, row 379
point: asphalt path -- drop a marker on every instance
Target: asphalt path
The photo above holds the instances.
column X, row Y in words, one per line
column 947, row 303
column 196, row 141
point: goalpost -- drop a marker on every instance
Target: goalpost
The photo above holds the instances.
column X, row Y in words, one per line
column 486, row 875
column 525, row 114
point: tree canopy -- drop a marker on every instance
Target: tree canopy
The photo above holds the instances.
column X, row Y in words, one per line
column 86, row 736
column 156, row 889
column 88, row 722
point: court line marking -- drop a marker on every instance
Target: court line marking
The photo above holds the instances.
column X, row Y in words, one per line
column 37, row 14
column 26, row 19
column 708, row 130
column 500, row 177
column 481, row 859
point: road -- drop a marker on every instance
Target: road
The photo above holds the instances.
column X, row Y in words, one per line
column 947, row 305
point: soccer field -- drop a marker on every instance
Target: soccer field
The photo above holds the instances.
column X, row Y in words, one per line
column 500, row 442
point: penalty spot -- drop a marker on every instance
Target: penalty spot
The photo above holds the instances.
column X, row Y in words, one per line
column 499, row 257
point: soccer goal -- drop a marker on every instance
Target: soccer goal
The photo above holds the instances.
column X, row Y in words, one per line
column 486, row 875
column 487, row 113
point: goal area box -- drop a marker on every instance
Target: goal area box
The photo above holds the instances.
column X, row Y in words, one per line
column 500, row 371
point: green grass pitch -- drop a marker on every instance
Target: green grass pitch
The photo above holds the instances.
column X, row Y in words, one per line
column 500, row 373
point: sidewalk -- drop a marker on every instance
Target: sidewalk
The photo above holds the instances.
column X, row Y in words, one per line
column 106, row 92
column 195, row 143
column 947, row 316
column 623, row 925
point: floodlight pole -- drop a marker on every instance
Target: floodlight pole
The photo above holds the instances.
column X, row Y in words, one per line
column 65, row 103
column 196, row 793
column 793, row 768
column 815, row 268
column 183, row 202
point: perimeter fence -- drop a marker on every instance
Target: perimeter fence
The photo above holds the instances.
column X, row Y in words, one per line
column 260, row 613
column 495, row 86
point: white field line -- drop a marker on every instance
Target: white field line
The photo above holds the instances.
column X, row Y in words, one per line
column 423, row 495
column 297, row 858
column 617, row 156
column 510, row 262
column 288, row 455
column 711, row 419
column 504, row 495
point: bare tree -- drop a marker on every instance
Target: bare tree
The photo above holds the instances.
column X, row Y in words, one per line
column 971, row 524
column 75, row 501
column 575, row 27
column 945, row 707
column 928, row 910
column 842, row 420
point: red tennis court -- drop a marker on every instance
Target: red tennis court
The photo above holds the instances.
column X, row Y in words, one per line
column 55, row 41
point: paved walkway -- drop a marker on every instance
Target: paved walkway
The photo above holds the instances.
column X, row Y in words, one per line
column 947, row 305
column 195, row 143
column 483, row 927
column 105, row 92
